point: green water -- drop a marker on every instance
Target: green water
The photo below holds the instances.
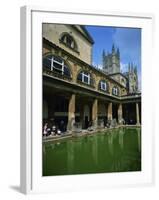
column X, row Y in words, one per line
column 118, row 150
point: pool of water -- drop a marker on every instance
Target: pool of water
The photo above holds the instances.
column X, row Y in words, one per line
column 117, row 150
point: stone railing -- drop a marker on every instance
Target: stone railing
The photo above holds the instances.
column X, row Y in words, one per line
column 85, row 84
column 56, row 74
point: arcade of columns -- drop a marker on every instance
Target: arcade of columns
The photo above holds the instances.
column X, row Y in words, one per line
column 71, row 112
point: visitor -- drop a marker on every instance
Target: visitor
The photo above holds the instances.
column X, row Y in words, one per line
column 58, row 132
column 53, row 130
column 62, row 126
column 45, row 129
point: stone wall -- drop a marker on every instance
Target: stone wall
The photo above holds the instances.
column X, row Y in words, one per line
column 52, row 32
column 75, row 62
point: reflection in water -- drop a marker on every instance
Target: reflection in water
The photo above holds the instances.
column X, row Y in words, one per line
column 53, row 145
column 139, row 139
column 44, row 151
column 118, row 150
column 70, row 156
column 121, row 138
column 111, row 136
column 95, row 150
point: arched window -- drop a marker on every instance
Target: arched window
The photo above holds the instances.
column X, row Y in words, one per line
column 84, row 77
column 56, row 64
column 103, row 85
column 69, row 41
column 115, row 91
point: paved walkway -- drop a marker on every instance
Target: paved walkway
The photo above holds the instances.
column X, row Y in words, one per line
column 82, row 133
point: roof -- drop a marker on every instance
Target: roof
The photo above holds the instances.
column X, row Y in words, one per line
column 88, row 34
column 84, row 33
column 118, row 73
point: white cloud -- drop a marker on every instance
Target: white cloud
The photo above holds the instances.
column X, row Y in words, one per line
column 99, row 66
column 124, row 67
column 128, row 41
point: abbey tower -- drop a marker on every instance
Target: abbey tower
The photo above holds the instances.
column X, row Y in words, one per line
column 111, row 66
column 111, row 61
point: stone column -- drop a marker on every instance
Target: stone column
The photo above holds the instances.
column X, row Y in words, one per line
column 71, row 113
column 74, row 73
column 94, row 113
column 109, row 114
column 137, row 114
column 120, row 114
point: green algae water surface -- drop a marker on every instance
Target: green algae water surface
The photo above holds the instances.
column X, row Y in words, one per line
column 117, row 150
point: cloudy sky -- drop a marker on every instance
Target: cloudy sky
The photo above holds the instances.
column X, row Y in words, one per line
column 128, row 40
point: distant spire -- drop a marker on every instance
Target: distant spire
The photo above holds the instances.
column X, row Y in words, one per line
column 103, row 58
column 103, row 54
column 135, row 69
column 113, row 48
column 132, row 67
column 129, row 67
column 118, row 53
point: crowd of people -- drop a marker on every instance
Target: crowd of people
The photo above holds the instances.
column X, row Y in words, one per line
column 50, row 127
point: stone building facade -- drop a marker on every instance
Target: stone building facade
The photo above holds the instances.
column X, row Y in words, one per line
column 132, row 78
column 77, row 93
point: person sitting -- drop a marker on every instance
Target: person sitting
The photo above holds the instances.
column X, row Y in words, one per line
column 54, row 130
column 58, row 132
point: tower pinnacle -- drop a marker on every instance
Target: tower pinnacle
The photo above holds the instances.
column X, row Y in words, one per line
column 113, row 48
column 118, row 53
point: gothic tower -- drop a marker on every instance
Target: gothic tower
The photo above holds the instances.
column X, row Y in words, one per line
column 132, row 78
column 111, row 61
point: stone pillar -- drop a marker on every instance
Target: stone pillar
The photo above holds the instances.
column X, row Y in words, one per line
column 74, row 73
column 109, row 114
column 137, row 114
column 94, row 113
column 120, row 114
column 71, row 113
